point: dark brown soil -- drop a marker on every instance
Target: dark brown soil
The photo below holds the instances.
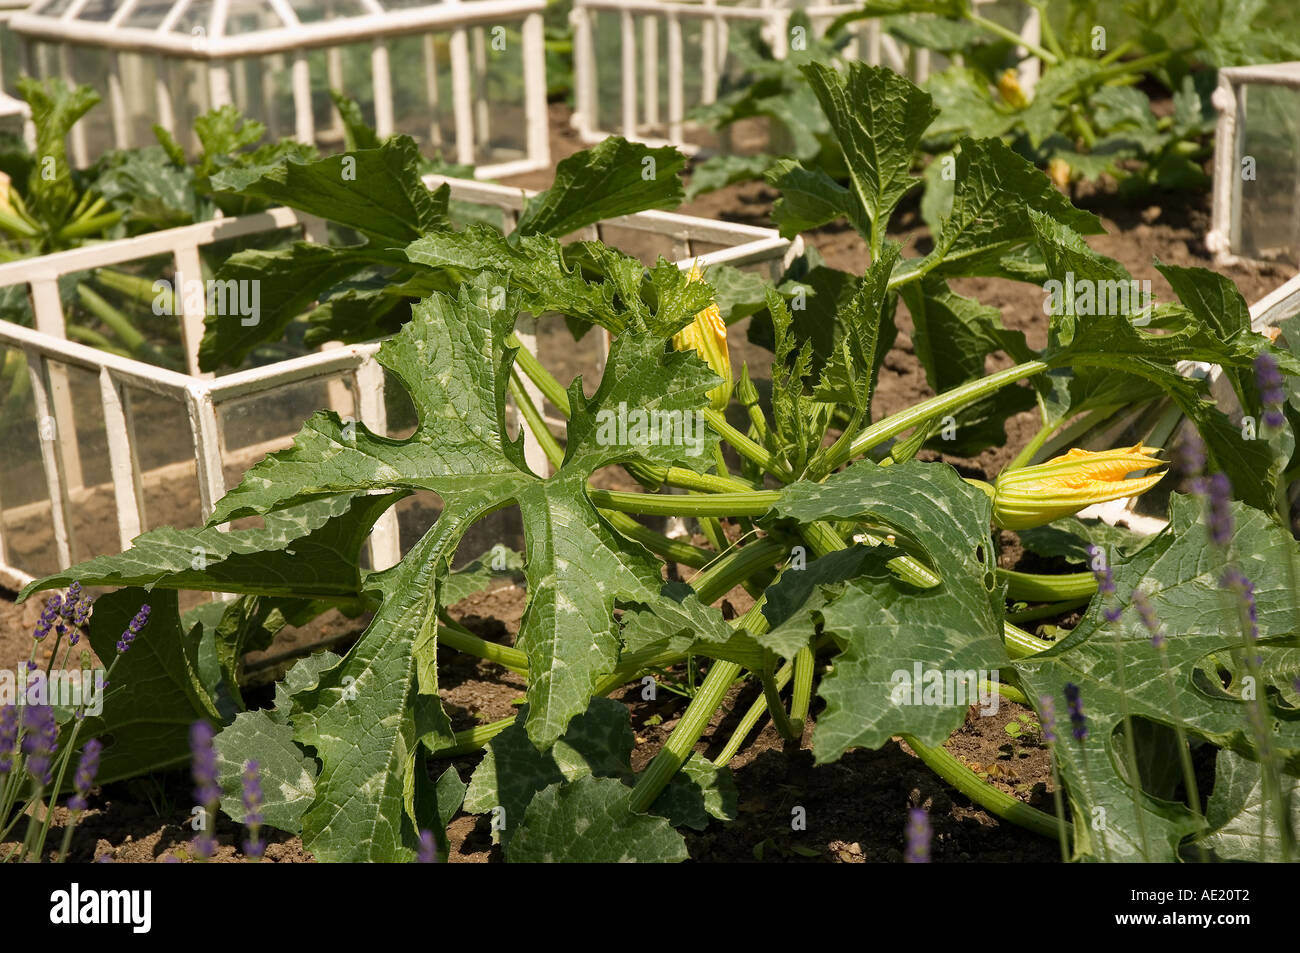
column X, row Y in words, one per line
column 855, row 808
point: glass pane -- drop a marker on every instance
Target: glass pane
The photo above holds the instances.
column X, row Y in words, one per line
column 148, row 14
column 1270, row 200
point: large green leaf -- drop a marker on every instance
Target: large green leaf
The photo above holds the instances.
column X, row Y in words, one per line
column 614, row 178
column 288, row 777
column 378, row 192
column 289, row 281
column 590, row 820
column 309, row 550
column 56, row 107
column 878, row 118
column 996, row 193
column 155, row 692
column 884, row 625
column 1179, row 571
column 1237, row 813
column 452, row 359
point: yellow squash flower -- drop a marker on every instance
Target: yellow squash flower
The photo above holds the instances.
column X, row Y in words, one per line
column 1033, row 496
column 1010, row 91
column 707, row 337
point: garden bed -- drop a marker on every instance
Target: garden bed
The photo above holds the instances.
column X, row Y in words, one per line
column 856, row 808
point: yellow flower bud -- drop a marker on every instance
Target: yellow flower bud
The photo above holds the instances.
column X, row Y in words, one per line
column 1010, row 91
column 1033, row 496
column 707, row 337
column 1058, row 170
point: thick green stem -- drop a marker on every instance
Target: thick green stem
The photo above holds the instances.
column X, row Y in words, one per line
column 753, row 503
column 746, row 447
column 694, row 720
column 1048, row 587
column 997, row 29
column 985, row 795
column 550, row 446
column 456, row 636
column 1046, row 612
column 682, row 741
column 527, row 362
column 788, row 728
column 954, row 399
column 674, row 550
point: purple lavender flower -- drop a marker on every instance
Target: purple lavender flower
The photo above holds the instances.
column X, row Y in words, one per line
column 1189, row 462
column 87, row 768
column 207, row 793
column 8, row 738
column 49, row 616
column 1105, row 581
column 40, row 740
column 75, row 612
column 251, row 796
column 428, row 852
column 918, row 837
column 133, row 629
column 1047, row 714
column 1220, row 515
column 1236, row 581
column 1147, row 613
column 1078, row 721
column 1272, row 393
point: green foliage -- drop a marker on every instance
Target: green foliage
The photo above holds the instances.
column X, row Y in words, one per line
column 861, row 555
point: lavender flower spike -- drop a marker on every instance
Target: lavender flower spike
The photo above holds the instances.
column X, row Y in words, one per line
column 1235, row 580
column 8, row 738
column 40, row 740
column 87, row 768
column 207, row 793
column 1047, row 714
column 50, row 615
column 1078, row 720
column 918, row 837
column 251, row 796
column 1189, row 461
column 1220, row 515
column 1147, row 613
column 133, row 628
column 1272, row 392
column 1105, row 581
column 428, row 852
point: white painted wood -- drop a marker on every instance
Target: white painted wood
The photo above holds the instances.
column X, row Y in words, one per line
column 627, row 75
column 676, row 79
column 462, row 97
column 206, row 434
column 650, row 69
column 385, row 539
column 193, row 306
column 48, row 308
column 128, row 490
column 383, row 83
column 534, row 63
column 305, row 129
column 52, row 440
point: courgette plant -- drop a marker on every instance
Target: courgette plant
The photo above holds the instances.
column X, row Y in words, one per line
column 864, row 560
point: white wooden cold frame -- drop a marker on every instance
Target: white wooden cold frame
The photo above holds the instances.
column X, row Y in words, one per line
column 639, row 78
column 1224, row 238
column 49, row 356
column 210, row 45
